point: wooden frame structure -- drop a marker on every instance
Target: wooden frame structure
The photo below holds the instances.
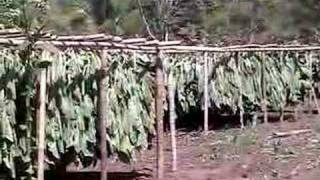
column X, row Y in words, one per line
column 105, row 43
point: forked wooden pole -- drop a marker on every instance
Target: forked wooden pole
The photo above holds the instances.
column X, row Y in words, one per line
column 172, row 114
column 264, row 88
column 41, row 124
column 240, row 103
column 206, row 94
column 159, row 115
column 102, row 115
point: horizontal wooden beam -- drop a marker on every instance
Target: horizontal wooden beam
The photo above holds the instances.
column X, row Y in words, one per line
column 10, row 31
column 113, row 42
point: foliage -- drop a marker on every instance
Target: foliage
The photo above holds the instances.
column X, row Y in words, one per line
column 71, row 107
column 17, row 112
column 185, row 71
column 215, row 20
column 287, row 78
column 72, row 98
column 25, row 14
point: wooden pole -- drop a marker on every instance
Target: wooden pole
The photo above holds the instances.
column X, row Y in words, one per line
column 172, row 114
column 297, row 107
column 285, row 90
column 102, row 115
column 312, row 91
column 159, row 115
column 310, row 61
column 315, row 100
column 264, row 89
column 240, row 103
column 206, row 94
column 42, row 125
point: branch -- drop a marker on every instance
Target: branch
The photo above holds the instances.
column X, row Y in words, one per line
column 290, row 133
column 145, row 20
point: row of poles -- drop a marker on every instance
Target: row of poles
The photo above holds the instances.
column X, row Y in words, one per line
column 160, row 88
column 102, row 118
column 206, row 66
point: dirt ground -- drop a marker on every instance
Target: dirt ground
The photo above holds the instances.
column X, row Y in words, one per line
column 235, row 154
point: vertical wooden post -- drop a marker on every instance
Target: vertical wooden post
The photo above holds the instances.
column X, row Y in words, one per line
column 310, row 61
column 312, row 91
column 240, row 103
column 102, row 115
column 206, row 94
column 159, row 115
column 297, row 107
column 285, row 90
column 172, row 114
column 315, row 100
column 41, row 124
column 264, row 88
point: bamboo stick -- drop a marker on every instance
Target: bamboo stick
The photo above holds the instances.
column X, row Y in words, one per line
column 80, row 37
column 148, row 43
column 206, row 94
column 102, row 115
column 41, row 125
column 159, row 115
column 265, row 46
column 168, row 43
column 10, row 31
column 264, row 89
column 171, row 91
column 134, row 41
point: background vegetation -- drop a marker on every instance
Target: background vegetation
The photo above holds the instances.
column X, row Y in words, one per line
column 228, row 21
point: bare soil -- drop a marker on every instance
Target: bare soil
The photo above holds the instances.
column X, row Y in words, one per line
column 233, row 154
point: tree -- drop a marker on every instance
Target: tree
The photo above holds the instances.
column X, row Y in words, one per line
column 25, row 14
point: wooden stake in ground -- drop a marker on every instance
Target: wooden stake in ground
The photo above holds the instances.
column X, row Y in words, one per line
column 41, row 125
column 283, row 105
column 102, row 115
column 315, row 100
column 206, row 94
column 172, row 114
column 312, row 93
column 310, row 61
column 159, row 115
column 264, row 88
column 297, row 107
column 240, row 103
